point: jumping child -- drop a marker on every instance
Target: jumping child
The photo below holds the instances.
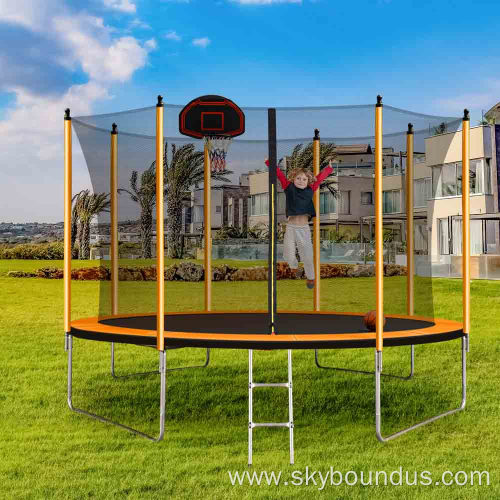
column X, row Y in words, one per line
column 299, row 189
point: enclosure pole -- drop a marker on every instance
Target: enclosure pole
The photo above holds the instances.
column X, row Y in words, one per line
column 317, row 220
column 113, row 187
column 466, row 221
column 160, row 247
column 379, row 244
column 273, row 230
column 410, row 243
column 68, row 159
column 207, row 221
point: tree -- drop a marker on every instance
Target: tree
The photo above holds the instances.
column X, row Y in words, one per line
column 87, row 206
column 184, row 170
column 440, row 129
column 145, row 195
column 75, row 221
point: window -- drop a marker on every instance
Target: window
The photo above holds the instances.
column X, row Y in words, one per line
column 367, row 198
column 447, row 179
column 391, row 201
column 345, row 203
column 327, row 203
column 476, row 237
column 444, row 247
column 230, row 212
column 218, row 209
column 259, row 203
column 198, row 213
column 240, row 213
column 422, row 191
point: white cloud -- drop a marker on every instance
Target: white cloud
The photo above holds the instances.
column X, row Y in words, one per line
column 121, row 5
column 137, row 23
column 100, row 57
column 172, row 35
column 28, row 13
column 202, row 42
column 151, row 44
column 31, row 129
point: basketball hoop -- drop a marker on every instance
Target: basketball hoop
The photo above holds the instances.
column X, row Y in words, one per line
column 217, row 148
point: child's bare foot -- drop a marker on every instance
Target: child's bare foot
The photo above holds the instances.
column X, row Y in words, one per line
column 310, row 283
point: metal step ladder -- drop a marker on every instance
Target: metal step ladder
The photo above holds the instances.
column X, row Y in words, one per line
column 251, row 423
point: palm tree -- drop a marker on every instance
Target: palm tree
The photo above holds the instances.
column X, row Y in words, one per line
column 145, row 195
column 302, row 157
column 87, row 206
column 184, row 170
column 75, row 221
column 440, row 129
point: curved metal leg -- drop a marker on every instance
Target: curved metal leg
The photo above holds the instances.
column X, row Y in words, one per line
column 378, row 417
column 363, row 372
column 162, row 371
column 154, row 372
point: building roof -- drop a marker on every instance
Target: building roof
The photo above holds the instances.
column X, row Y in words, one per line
column 494, row 112
column 353, row 149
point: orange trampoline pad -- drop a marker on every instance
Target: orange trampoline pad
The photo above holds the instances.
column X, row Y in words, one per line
column 251, row 330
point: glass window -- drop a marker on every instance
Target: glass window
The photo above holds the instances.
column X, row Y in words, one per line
column 421, row 191
column 487, row 177
column 449, row 180
column 260, row 204
column 444, row 248
column 437, row 190
column 367, row 198
column 327, row 203
column 345, row 202
column 391, row 201
column 476, row 237
column 491, row 228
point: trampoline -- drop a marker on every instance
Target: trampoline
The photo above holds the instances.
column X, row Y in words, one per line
column 146, row 176
column 299, row 330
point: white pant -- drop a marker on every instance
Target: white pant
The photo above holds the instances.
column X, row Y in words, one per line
column 299, row 237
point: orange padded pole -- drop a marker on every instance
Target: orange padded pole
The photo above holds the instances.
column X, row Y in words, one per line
column 160, row 249
column 379, row 236
column 68, row 167
column 317, row 220
column 466, row 221
column 410, row 243
column 113, row 189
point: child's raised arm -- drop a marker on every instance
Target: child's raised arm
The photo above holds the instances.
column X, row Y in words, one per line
column 281, row 176
column 321, row 177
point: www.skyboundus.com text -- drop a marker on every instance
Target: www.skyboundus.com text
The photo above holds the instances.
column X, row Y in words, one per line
column 333, row 478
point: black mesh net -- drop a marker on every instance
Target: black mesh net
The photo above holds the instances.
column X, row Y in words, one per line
column 240, row 204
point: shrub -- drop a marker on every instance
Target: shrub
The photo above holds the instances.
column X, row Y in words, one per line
column 34, row 251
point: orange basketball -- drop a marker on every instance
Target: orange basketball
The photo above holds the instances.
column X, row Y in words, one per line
column 370, row 320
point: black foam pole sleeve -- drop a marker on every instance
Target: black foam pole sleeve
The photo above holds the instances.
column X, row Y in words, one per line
column 271, row 121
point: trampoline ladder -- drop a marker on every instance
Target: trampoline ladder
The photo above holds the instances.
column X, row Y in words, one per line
column 251, row 423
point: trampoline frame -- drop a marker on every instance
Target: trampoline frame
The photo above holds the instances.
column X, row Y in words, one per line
column 272, row 255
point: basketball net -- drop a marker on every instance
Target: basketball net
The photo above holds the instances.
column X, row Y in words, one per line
column 217, row 148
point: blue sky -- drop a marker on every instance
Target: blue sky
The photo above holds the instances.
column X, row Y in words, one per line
column 98, row 56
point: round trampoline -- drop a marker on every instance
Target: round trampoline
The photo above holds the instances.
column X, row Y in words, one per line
column 248, row 330
column 161, row 187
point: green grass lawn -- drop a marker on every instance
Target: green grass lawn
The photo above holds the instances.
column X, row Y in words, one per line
column 48, row 451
